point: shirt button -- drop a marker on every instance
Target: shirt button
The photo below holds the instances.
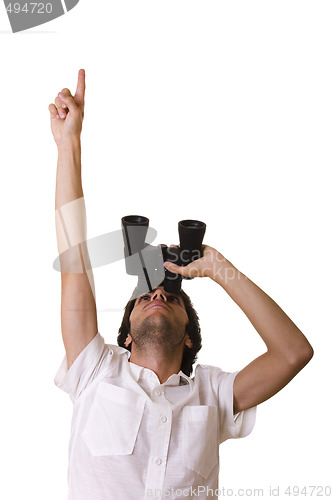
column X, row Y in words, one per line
column 163, row 419
column 158, row 392
column 158, row 461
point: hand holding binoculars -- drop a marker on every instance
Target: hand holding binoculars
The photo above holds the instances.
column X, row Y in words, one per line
column 147, row 261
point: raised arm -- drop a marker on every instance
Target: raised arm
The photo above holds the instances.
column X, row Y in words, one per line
column 78, row 306
column 288, row 351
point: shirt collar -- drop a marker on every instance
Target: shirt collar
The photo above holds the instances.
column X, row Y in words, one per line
column 175, row 379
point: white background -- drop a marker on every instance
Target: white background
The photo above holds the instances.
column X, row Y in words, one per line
column 218, row 111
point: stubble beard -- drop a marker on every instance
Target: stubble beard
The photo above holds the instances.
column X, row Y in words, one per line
column 157, row 334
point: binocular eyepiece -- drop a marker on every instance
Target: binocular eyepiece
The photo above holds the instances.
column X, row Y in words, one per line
column 146, row 261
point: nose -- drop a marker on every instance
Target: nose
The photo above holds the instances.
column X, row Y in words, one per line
column 159, row 295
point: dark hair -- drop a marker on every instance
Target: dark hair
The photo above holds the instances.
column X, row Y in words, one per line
column 192, row 329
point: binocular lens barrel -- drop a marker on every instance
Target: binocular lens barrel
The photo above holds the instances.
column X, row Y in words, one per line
column 135, row 229
column 191, row 233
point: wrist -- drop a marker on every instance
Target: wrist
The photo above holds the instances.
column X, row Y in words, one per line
column 69, row 144
column 69, row 157
column 223, row 272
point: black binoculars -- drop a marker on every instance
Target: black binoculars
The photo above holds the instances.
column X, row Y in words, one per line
column 147, row 261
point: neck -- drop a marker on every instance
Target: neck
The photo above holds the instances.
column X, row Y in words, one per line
column 163, row 365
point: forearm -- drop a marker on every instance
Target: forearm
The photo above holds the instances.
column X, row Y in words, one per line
column 68, row 181
column 71, row 224
column 69, row 202
column 279, row 333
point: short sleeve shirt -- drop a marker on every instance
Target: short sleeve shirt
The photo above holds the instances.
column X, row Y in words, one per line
column 135, row 438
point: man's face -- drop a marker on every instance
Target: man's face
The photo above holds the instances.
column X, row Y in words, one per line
column 159, row 317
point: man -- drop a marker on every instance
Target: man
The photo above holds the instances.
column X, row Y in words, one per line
column 142, row 427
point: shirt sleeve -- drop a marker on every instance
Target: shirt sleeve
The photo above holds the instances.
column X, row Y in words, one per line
column 232, row 426
column 84, row 370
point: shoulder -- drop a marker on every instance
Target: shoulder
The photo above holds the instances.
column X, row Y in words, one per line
column 118, row 355
column 99, row 345
column 213, row 376
column 111, row 356
column 208, row 370
column 211, row 373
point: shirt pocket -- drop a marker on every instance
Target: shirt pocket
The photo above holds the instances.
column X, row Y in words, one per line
column 200, row 439
column 113, row 421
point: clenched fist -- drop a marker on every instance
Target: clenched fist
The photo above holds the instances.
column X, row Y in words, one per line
column 67, row 112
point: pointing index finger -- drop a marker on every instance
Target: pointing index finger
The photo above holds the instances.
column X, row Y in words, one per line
column 81, row 87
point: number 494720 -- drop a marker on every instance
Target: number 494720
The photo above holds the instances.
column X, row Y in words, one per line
column 29, row 8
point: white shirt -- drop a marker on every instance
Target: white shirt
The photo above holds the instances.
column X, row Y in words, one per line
column 133, row 437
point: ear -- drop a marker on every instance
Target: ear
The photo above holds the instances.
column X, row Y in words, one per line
column 128, row 340
column 188, row 342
